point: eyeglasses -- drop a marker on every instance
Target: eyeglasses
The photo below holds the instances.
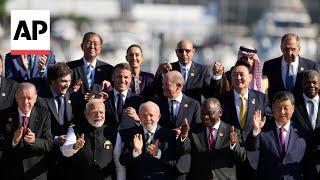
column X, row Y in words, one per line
column 182, row 50
column 90, row 43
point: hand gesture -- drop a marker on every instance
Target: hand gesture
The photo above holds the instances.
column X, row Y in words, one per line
column 42, row 62
column 217, row 69
column 177, row 131
column 102, row 95
column 153, row 148
column 30, row 137
column 88, row 96
column 25, row 61
column 185, row 129
column 61, row 139
column 17, row 135
column 164, row 68
column 233, row 136
column 258, row 121
column 80, row 143
column 105, row 85
column 138, row 143
column 76, row 86
column 131, row 113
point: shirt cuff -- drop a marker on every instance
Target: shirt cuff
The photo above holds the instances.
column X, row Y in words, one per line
column 232, row 146
column 255, row 134
column 43, row 70
column 158, row 156
column 182, row 139
column 135, row 153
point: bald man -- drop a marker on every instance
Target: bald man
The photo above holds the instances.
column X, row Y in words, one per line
column 26, row 130
column 90, row 147
column 196, row 76
column 149, row 151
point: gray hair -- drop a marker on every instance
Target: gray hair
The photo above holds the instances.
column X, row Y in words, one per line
column 91, row 102
column 26, row 85
column 290, row 35
column 149, row 104
column 176, row 77
column 310, row 73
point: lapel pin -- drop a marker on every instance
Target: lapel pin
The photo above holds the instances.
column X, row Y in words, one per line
column 107, row 144
column 220, row 134
column 98, row 69
column 253, row 101
column 3, row 94
column 192, row 74
column 301, row 69
column 185, row 105
column 295, row 130
column 69, row 101
column 10, row 119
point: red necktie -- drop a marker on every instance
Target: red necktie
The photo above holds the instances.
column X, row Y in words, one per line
column 281, row 136
column 211, row 137
column 25, row 125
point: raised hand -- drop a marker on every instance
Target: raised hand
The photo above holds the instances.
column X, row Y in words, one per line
column 88, row 96
column 233, row 136
column 258, row 121
column 42, row 62
column 138, row 143
column 102, row 95
column 131, row 113
column 184, row 129
column 17, row 135
column 153, row 148
column 30, row 137
column 217, row 69
column 164, row 68
column 105, row 85
column 76, row 86
column 80, row 142
column 25, row 62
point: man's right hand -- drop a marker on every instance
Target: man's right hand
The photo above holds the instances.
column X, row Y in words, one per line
column 138, row 143
column 80, row 143
column 25, row 62
column 164, row 68
column 17, row 135
column 258, row 122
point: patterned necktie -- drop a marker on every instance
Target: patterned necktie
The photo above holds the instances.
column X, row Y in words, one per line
column 211, row 138
column 149, row 138
column 243, row 111
column 89, row 72
column 185, row 74
column 119, row 105
column 289, row 77
column 172, row 114
column 61, row 109
column 313, row 113
column 281, row 137
column 25, row 125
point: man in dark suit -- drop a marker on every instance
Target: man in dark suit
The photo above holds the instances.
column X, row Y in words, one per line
column 307, row 114
column 88, row 72
column 27, row 137
column 196, row 76
column 28, row 68
column 141, row 81
column 175, row 107
column 239, row 106
column 282, row 145
column 56, row 98
column 214, row 145
column 90, row 147
column 8, row 89
column 150, row 150
column 285, row 72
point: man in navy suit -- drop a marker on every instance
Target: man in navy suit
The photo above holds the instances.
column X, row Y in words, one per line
column 307, row 114
column 88, row 72
column 150, row 150
column 141, row 81
column 196, row 76
column 28, row 68
column 282, row 144
column 239, row 106
column 285, row 73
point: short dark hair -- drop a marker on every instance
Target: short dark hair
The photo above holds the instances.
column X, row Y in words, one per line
column 134, row 45
column 58, row 70
column 290, row 35
column 283, row 96
column 122, row 66
column 88, row 34
column 242, row 62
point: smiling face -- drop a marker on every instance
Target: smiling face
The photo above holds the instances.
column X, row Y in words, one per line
column 311, row 86
column 211, row 113
column 134, row 57
column 290, row 49
column 122, row 79
column 26, row 98
column 240, row 78
column 91, row 47
column 95, row 114
column 282, row 111
column 149, row 116
column 61, row 85
column 185, row 52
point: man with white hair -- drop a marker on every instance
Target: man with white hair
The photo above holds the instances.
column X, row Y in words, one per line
column 149, row 151
column 90, row 147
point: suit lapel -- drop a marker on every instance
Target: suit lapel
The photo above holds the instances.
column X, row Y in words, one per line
column 52, row 107
column 278, row 73
column 251, row 108
column 191, row 73
column 318, row 118
column 222, row 131
column 293, row 136
column 301, row 67
column 33, row 120
column 275, row 136
column 203, row 139
column 82, row 73
column 305, row 121
column 183, row 112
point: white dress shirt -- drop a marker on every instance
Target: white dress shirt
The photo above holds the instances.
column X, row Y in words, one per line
column 284, row 69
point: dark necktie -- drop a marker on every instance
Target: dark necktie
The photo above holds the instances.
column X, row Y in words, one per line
column 25, row 125
column 281, row 137
column 89, row 72
column 211, row 138
column 119, row 105
column 61, row 109
column 289, row 77
column 172, row 115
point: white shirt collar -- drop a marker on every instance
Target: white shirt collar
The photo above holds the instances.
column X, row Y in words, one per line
column 217, row 125
column 295, row 63
column 153, row 130
column 188, row 66
column 125, row 93
column 22, row 114
column 237, row 95
column 86, row 63
column 286, row 127
column 315, row 99
column 178, row 98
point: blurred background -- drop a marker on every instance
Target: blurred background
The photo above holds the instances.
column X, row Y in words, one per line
column 217, row 27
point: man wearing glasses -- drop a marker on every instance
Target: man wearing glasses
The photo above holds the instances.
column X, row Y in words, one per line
column 196, row 76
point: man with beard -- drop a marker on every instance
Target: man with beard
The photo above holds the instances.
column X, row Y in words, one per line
column 90, row 147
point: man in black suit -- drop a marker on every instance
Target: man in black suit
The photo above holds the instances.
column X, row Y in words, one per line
column 239, row 106
column 8, row 89
column 88, row 72
column 307, row 114
column 90, row 147
column 281, row 144
column 285, row 73
column 196, row 76
column 27, row 137
column 214, row 145
column 150, row 150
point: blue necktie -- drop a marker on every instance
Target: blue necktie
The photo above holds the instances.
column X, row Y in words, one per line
column 90, row 70
column 185, row 74
column 289, row 77
column 61, row 109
